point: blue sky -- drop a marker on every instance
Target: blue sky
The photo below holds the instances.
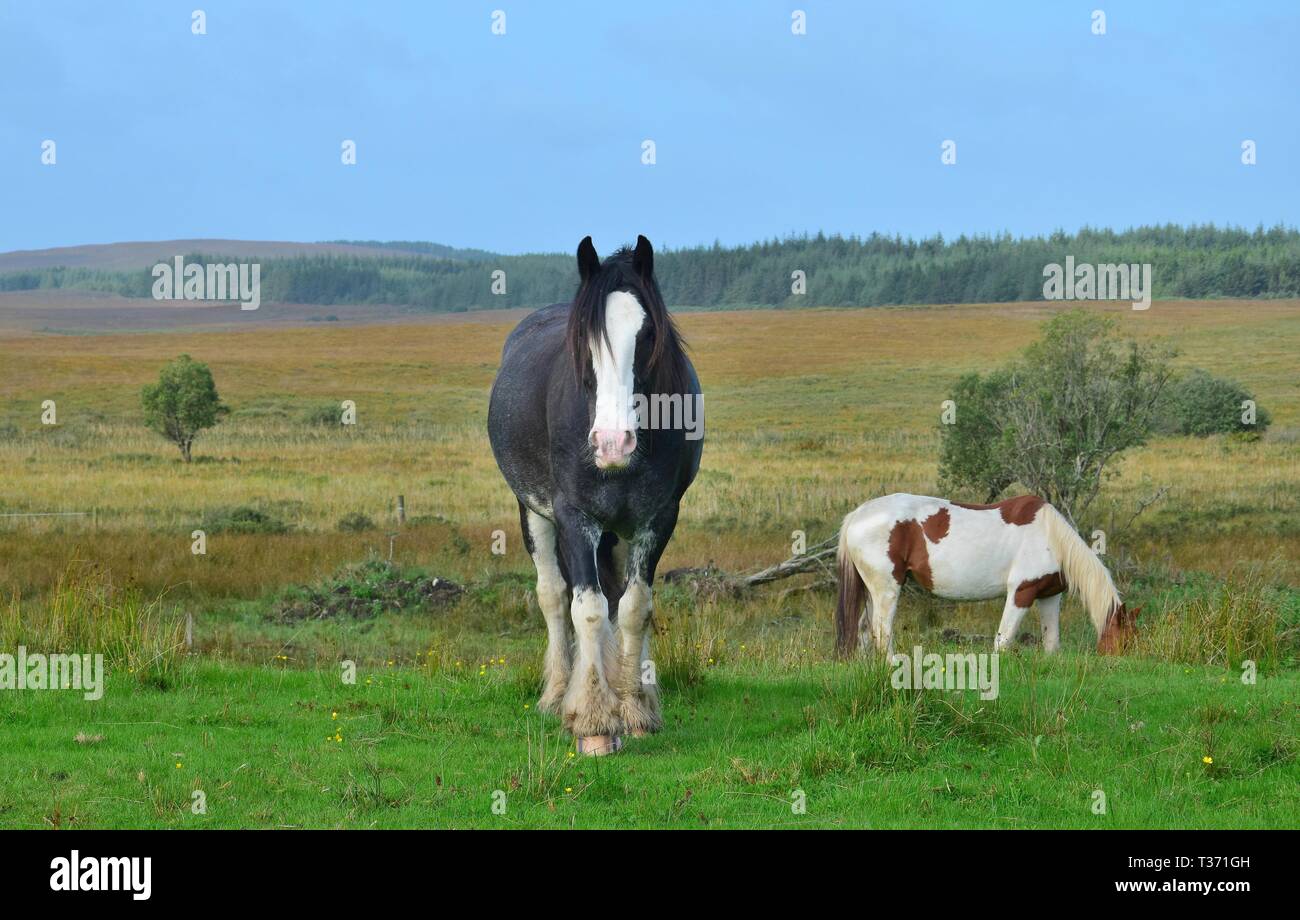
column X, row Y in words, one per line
column 531, row 140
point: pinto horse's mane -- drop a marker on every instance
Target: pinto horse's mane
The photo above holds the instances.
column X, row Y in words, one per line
column 666, row 370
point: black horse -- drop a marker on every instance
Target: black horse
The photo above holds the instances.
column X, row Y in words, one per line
column 577, row 424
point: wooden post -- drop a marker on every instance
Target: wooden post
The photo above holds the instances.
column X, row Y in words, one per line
column 189, row 631
column 401, row 510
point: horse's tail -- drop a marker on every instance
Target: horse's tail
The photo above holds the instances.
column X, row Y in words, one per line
column 611, row 581
column 1085, row 575
column 853, row 593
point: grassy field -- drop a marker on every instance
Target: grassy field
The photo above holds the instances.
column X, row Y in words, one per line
column 410, row 748
column 810, row 412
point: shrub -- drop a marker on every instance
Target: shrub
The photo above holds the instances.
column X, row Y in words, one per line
column 1202, row 404
column 356, row 522
column 326, row 415
column 973, row 451
column 242, row 519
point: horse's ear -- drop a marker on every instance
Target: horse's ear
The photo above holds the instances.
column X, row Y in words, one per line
column 588, row 261
column 643, row 259
column 1126, row 617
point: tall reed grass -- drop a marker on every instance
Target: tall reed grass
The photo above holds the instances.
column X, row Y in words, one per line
column 1224, row 622
column 88, row 613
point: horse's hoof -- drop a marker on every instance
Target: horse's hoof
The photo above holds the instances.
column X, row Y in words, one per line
column 599, row 745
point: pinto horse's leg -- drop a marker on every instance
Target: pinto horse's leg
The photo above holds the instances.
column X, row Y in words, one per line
column 884, row 605
column 1011, row 617
column 553, row 598
column 590, row 708
column 1049, row 617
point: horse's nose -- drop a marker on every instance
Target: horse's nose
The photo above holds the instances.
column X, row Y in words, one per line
column 613, row 446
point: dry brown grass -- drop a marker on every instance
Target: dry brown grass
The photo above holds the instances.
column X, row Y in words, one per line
column 810, row 412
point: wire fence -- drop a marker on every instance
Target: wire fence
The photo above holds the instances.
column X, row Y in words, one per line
column 93, row 514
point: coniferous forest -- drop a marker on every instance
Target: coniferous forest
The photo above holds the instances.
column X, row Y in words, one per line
column 1187, row 262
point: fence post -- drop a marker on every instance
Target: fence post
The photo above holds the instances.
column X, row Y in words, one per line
column 401, row 510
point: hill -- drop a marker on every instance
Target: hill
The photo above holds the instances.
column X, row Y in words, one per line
column 124, row 257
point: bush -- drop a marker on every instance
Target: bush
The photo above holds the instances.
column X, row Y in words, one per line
column 1201, row 404
column 972, row 444
column 356, row 522
column 326, row 415
column 242, row 519
column 1055, row 418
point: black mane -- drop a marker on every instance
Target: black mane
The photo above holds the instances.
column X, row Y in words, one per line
column 665, row 370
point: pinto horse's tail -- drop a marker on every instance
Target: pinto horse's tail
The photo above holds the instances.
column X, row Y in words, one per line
column 853, row 596
column 607, row 569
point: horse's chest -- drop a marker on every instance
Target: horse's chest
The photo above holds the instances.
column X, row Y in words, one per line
column 622, row 507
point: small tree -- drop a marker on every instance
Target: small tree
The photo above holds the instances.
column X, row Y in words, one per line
column 182, row 403
column 1054, row 419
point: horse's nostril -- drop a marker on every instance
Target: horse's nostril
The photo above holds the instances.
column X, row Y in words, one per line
column 612, row 443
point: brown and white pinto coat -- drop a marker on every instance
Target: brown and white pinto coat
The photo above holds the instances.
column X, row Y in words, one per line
column 1021, row 548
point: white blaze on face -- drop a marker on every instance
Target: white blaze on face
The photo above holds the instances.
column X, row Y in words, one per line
column 613, row 434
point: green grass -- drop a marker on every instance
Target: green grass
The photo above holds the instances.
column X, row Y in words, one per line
column 429, row 748
column 442, row 716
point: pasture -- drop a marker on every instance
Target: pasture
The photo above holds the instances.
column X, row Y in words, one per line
column 809, row 413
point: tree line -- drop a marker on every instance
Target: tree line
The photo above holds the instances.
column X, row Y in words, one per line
column 1187, row 262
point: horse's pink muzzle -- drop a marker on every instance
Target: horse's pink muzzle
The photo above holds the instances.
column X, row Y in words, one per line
column 613, row 447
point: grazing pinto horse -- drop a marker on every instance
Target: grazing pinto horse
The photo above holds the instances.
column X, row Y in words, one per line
column 573, row 446
column 1022, row 548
